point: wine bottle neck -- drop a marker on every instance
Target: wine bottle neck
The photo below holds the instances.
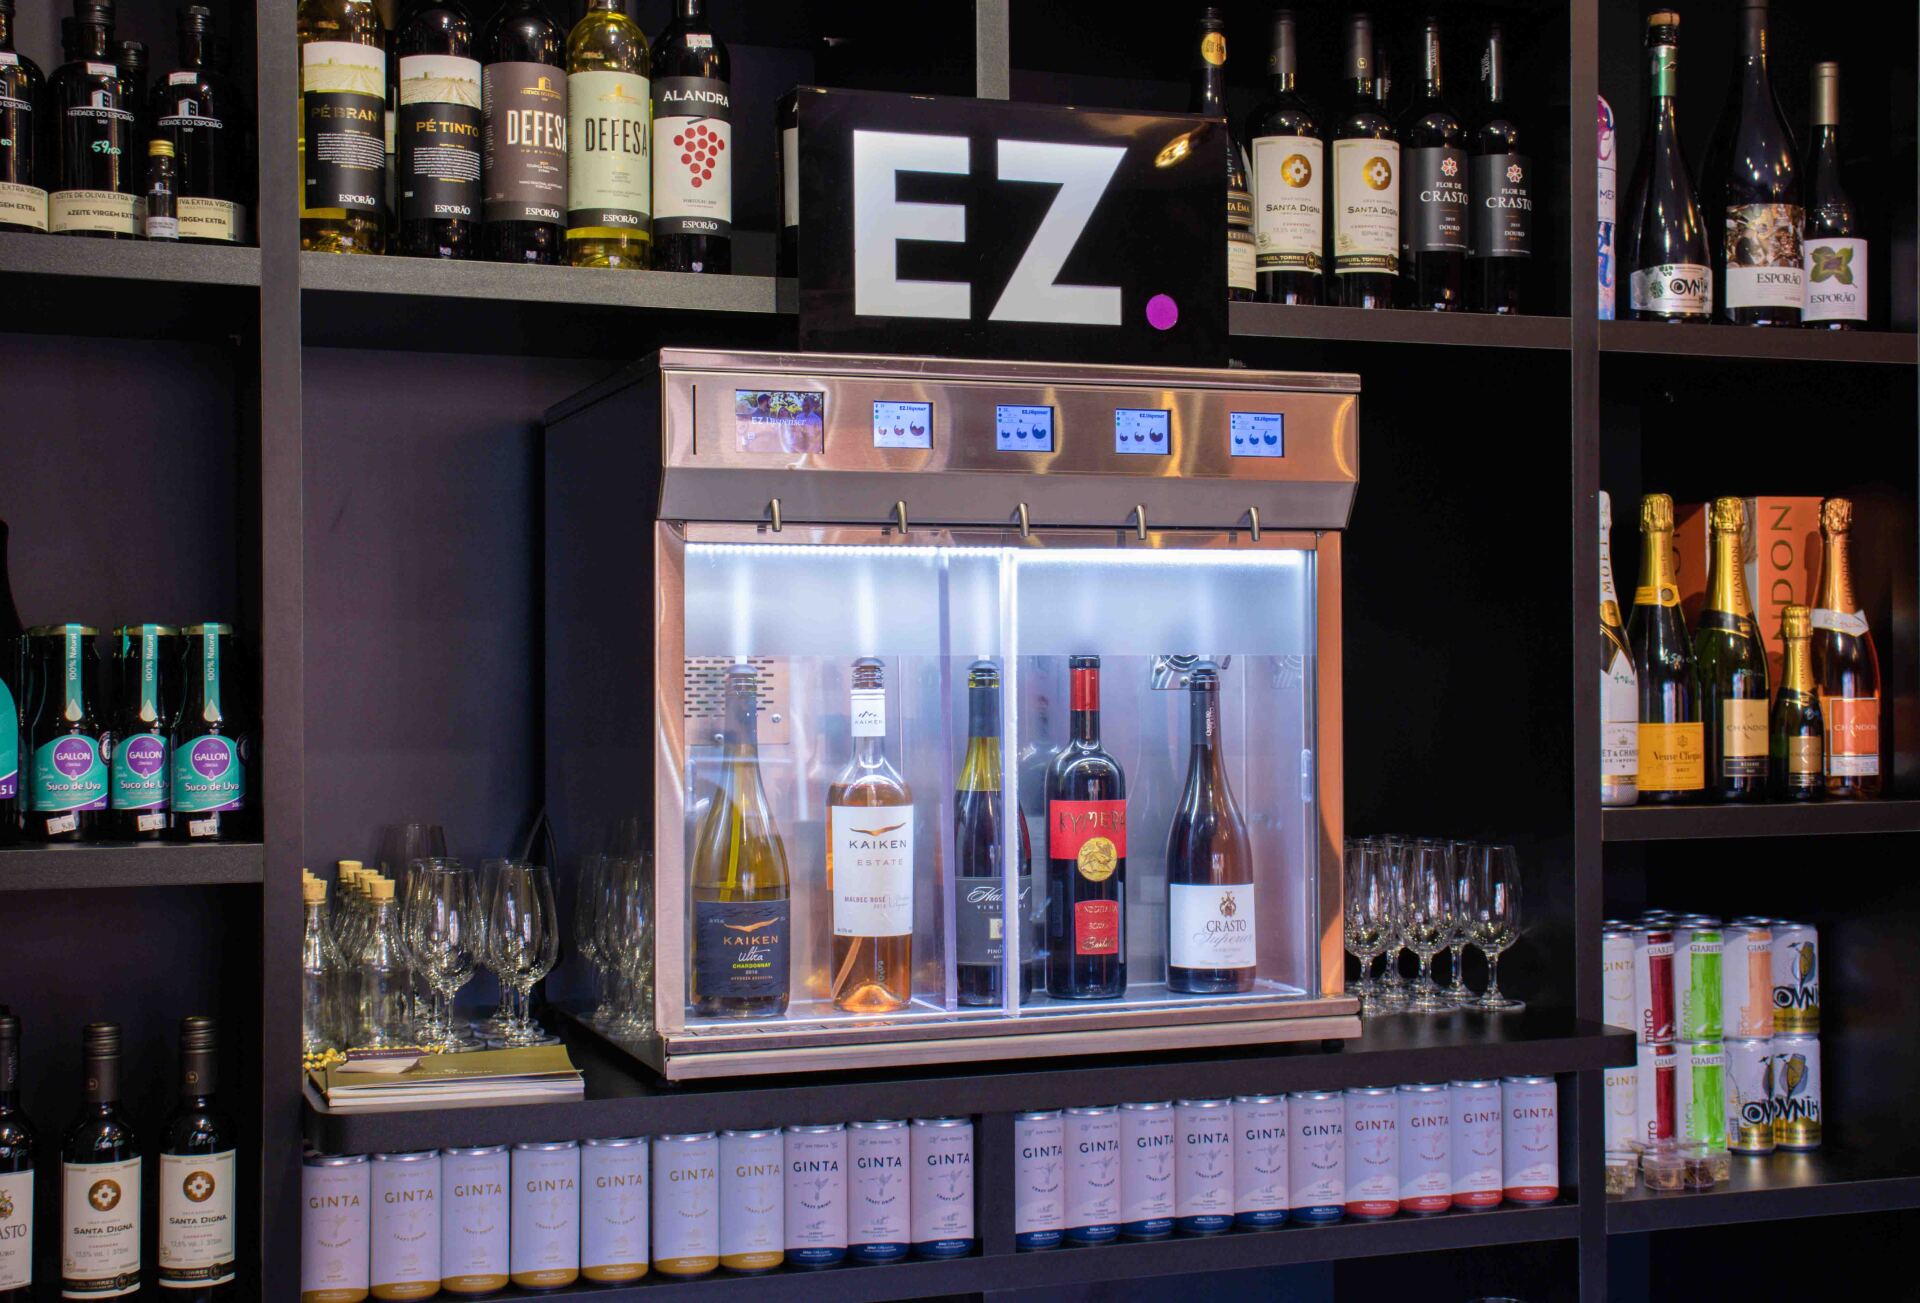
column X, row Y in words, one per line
column 1726, row 579
column 1085, row 727
column 980, row 771
column 1493, row 73
column 1797, row 673
column 690, row 11
column 1753, row 36
column 103, row 1081
column 1836, row 575
column 1656, row 558
column 193, row 48
column 1430, row 77
column 1205, row 718
column 1663, row 67
column 196, row 1076
column 1282, row 61
column 6, row 43
column 1359, row 70
column 91, row 40
column 9, row 1072
column 1209, row 89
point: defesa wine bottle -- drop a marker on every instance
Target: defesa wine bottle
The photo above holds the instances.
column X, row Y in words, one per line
column 1669, row 267
column 1730, row 663
column 1212, row 941
column 692, row 146
column 198, row 1177
column 1289, row 180
column 523, row 94
column 437, row 144
column 1086, row 854
column 1798, row 734
column 1672, row 752
column 980, row 812
column 1434, row 202
column 609, row 140
column 1846, row 667
column 1366, row 183
column 100, row 1180
column 1834, row 244
column 870, row 861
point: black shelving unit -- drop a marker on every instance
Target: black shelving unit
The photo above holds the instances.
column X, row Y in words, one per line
column 1652, row 823
column 1837, row 1178
column 148, row 864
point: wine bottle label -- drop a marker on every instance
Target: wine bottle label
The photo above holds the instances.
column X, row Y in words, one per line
column 1503, row 207
column 1433, row 200
column 1210, row 926
column 525, row 145
column 1804, row 763
column 691, row 141
column 1743, row 738
column 1093, row 834
column 140, row 776
column 1619, row 716
column 100, row 1229
column 9, row 745
column 209, row 773
column 1289, row 225
column 16, row 1230
column 1366, row 206
column 1673, row 758
column 790, row 176
column 196, row 1219
column 1853, row 735
column 438, row 146
column 609, row 164
column 69, row 774
column 1835, row 277
column 872, row 868
column 1096, row 927
column 1764, row 256
column 1840, row 621
column 23, row 205
column 1240, row 244
column 92, row 210
column 740, row 948
column 1672, row 289
column 343, row 87
column 211, row 219
column 980, row 922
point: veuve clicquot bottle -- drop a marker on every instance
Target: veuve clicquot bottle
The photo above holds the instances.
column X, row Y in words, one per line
column 437, row 132
column 13, row 700
column 1846, row 667
column 1619, row 684
column 100, row 1181
column 195, row 109
column 94, row 170
column 1366, row 184
column 980, row 814
column 1434, row 206
column 65, row 735
column 1086, row 854
column 1753, row 186
column 1500, row 232
column 1798, row 734
column 1208, row 95
column 198, row 1177
column 524, row 148
column 1835, row 243
column 609, row 155
column 1289, row 180
column 23, row 200
column 1212, row 945
column 1669, row 267
column 146, row 682
column 18, row 1140
column 343, row 126
column 1672, row 753
column 692, row 146
column 742, row 892
column 1730, row 662
column 870, row 861
column 213, row 740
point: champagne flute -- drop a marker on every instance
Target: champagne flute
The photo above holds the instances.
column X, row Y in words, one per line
column 1429, row 918
column 1458, row 991
column 1368, row 918
column 1496, row 918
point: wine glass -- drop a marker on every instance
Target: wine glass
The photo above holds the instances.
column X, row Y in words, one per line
column 500, row 1023
column 525, row 941
column 1458, row 991
column 1496, row 917
column 410, row 904
column 443, row 942
column 1393, row 987
column 589, row 906
column 627, row 937
column 1430, row 918
column 1369, row 917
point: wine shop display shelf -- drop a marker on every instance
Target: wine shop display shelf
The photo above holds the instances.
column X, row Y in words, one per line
column 1779, row 1186
column 66, row 285
column 1468, row 329
column 1882, row 347
column 625, row 1098
column 1652, row 823
column 129, row 864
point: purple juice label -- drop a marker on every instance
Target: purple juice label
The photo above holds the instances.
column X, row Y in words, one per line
column 68, row 774
column 209, row 773
column 140, row 777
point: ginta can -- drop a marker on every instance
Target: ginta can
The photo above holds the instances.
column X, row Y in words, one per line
column 1698, row 977
column 474, row 1218
column 752, row 1200
column 1621, row 1089
column 1148, row 1144
column 1373, row 1152
column 879, row 1228
column 1316, row 1157
column 1796, row 979
column 1475, row 1139
column 614, row 1243
column 335, row 1226
column 816, row 1155
column 686, row 1203
column 1093, row 1174
column 1749, row 1078
column 1746, row 981
column 1530, row 1139
column 1653, row 1016
column 546, row 1214
column 1653, row 1089
column 1259, row 1161
column 1700, row 1092
column 1039, row 1180
column 1616, row 980
column 1203, row 1180
column 942, row 1187
column 406, row 1225
column 1796, row 1092
column 1426, row 1150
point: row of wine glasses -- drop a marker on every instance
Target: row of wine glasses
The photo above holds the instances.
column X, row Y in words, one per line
column 1428, row 895
column 613, row 932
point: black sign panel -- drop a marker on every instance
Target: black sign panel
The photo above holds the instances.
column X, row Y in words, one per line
column 981, row 228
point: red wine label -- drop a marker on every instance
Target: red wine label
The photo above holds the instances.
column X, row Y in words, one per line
column 1853, row 735
column 1096, row 927
column 1093, row 834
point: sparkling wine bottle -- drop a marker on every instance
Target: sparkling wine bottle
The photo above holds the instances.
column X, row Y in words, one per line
column 1672, row 756
column 1846, row 668
column 1669, row 270
column 1730, row 663
column 1798, row 732
column 1619, row 684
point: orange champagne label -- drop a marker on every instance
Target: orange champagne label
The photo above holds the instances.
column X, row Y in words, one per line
column 1673, row 758
column 1853, row 735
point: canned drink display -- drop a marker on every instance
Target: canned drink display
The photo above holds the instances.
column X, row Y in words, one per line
column 1259, row 1161
column 1749, row 1078
column 941, row 1198
column 686, row 1203
column 1203, row 1180
column 1479, row 1175
column 614, row 1244
column 1697, row 981
column 1621, row 1087
column 1316, row 1156
column 1373, row 1152
column 1796, row 979
column 546, row 1214
column 335, row 1227
column 1746, row 981
column 1093, row 1174
column 1426, row 1150
column 406, row 1225
column 473, row 1218
column 752, row 1200
column 1653, row 1014
column 1653, row 1076
column 1616, row 976
column 1796, row 1092
column 1530, row 1139
column 879, row 1153
column 1039, row 1180
column 1700, row 1092
column 1148, row 1143
column 816, row 1220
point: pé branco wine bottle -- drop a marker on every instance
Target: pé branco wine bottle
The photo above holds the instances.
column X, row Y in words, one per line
column 1798, row 733
column 1846, row 667
column 1619, row 684
column 870, row 861
column 343, row 126
column 1672, row 752
column 1212, row 937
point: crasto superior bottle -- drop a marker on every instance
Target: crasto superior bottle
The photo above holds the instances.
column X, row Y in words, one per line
column 692, row 146
column 343, row 134
column 100, row 1181
column 1086, row 854
column 198, row 1177
column 1366, row 184
column 1834, row 243
column 870, row 861
column 1798, row 732
column 1289, row 180
column 1619, row 684
column 609, row 165
column 979, row 838
column 1211, row 939
column 1730, row 663
column 1846, row 668
column 1669, row 271
column 1208, row 95
column 1672, row 751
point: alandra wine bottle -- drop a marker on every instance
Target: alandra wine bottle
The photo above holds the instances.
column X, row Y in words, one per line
column 1730, row 662
column 870, row 861
column 980, row 813
column 1669, row 268
column 1086, row 854
column 692, row 146
column 1846, row 668
column 1619, row 684
column 1212, row 942
column 1672, row 759
column 1798, row 733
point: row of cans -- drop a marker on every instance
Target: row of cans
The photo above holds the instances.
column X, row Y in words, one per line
column 1748, row 1094
column 1689, row 978
column 469, row 1221
column 1145, row 1170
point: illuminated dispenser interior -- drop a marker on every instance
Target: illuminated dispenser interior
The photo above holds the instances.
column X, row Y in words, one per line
column 795, row 523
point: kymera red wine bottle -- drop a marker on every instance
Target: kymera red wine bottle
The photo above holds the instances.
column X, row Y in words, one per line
column 1086, row 854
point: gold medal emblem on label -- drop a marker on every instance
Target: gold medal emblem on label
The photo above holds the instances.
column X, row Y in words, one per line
column 1213, row 48
column 1097, row 859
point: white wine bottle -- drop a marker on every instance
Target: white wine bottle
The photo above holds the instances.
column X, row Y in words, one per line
column 1846, row 669
column 870, row 862
column 1619, row 684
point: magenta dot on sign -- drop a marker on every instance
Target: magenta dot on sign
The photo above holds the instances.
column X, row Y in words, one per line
column 1162, row 312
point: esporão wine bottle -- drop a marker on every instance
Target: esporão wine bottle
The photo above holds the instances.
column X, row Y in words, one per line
column 146, row 681
column 1086, row 854
column 1672, row 759
column 692, row 146
column 1846, row 667
column 195, row 109
column 214, row 796
column 1619, row 684
column 94, row 169
column 18, row 1140
column 742, row 891
column 23, row 200
column 1207, row 93
column 523, row 101
column 1753, row 186
column 1798, row 733
column 437, row 132
column 343, row 126
column 1500, row 231
column 100, row 1180
column 609, row 130
column 1212, row 940
column 1434, row 205
column 1289, row 180
column 1669, row 265
column 1834, row 243
column 1366, row 184
column 870, row 861
column 65, row 735
column 198, row 1178
column 1730, row 662
column 980, row 814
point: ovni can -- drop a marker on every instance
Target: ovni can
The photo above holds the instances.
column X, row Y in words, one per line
column 1203, row 1171
column 1616, row 979
column 816, row 1156
column 546, row 1214
column 1259, row 1161
column 1039, row 1180
column 406, row 1225
column 1749, row 1078
column 1654, row 1108
column 1148, row 1143
column 1697, row 981
column 473, row 1218
column 335, row 1227
column 1796, row 979
column 942, row 1194
column 1477, row 1169
column 1796, row 1092
column 686, row 1203
column 1530, row 1139
column 1622, row 1091
column 879, row 1227
column 1373, row 1152
column 1653, row 1015
column 1426, row 1149
column 1746, row 981
column 752, row 1200
column 1316, row 1156
column 1700, row 1093
column 614, row 1244
column 1093, row 1174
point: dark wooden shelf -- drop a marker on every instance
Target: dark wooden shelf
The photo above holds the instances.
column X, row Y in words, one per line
column 1653, row 823
column 54, row 285
column 1468, row 329
column 128, row 864
column 1827, row 1181
column 1896, row 348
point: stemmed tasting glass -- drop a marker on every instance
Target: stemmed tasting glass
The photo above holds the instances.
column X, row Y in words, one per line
column 1393, row 857
column 1369, row 917
column 525, row 941
column 628, row 939
column 400, row 845
column 443, row 940
column 589, row 907
column 410, row 904
column 1458, row 991
column 500, row 1023
column 1496, row 917
column 1430, row 918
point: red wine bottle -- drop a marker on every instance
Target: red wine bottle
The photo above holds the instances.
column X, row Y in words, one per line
column 17, row 1144
column 1086, row 855
column 1434, row 206
column 1289, row 160
column 1500, row 233
column 979, row 833
column 1208, row 95
column 692, row 144
column 1366, row 183
column 1210, row 916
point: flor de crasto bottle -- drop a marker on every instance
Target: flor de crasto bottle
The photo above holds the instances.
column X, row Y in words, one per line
column 1500, row 232
column 1834, row 243
column 1753, row 186
column 1208, row 95
column 524, row 140
column 1672, row 751
column 437, row 153
column 692, row 146
column 1798, row 733
column 980, row 814
column 1619, row 684
column 1434, row 207
column 1086, row 854
column 1669, row 268
column 1289, row 180
column 1846, row 668
column 1730, row 663
column 1366, row 184
column 1211, row 936
column 870, row 861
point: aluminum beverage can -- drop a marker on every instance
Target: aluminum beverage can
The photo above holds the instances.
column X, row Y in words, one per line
column 1622, row 1089
column 1373, row 1152
column 1616, row 976
column 1608, row 149
column 1149, row 1143
column 1796, row 1092
column 1426, row 1149
column 406, row 1225
column 942, row 1150
column 1530, row 1139
column 1316, row 1157
column 546, row 1214
column 1746, row 981
column 816, row 1220
column 879, row 1228
column 1259, row 1161
column 336, row 1202
column 753, row 1201
column 1203, row 1170
column 1039, row 1180
column 1653, row 1076
column 1700, row 1091
column 1478, row 1166
column 473, row 1218
column 1750, row 1095
column 1653, row 1019
column 1697, row 982
column 686, row 1203
column 1093, row 1174
column 614, row 1240
column 1796, row 979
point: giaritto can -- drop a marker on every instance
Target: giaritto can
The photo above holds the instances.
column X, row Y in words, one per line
column 1203, row 1180
column 1316, row 1157
column 1796, row 1092
column 1373, row 1152
column 942, row 1187
column 752, row 1200
column 1700, row 1092
column 614, row 1242
column 1093, row 1174
column 1259, row 1161
column 1616, row 975
column 686, row 1203
column 1746, row 975
column 1653, row 1017
column 335, row 1226
column 1530, row 1139
column 546, row 1214
column 1653, row 1075
column 1039, row 1180
column 816, row 1156
column 406, row 1225
column 879, row 1154
column 1749, row 1078
column 1698, row 978
column 1426, row 1148
column 473, row 1218
column 1148, row 1144
column 1796, row 979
